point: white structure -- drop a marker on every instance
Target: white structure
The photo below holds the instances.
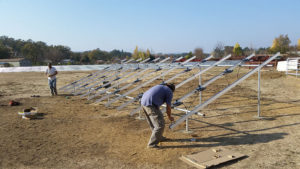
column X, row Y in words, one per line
column 291, row 66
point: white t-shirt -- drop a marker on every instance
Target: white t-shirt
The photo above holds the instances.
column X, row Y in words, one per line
column 51, row 72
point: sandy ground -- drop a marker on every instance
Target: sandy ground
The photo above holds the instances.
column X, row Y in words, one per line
column 73, row 133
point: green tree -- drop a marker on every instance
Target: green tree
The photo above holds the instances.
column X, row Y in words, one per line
column 138, row 53
column 189, row 55
column 4, row 52
column 148, row 53
column 94, row 55
column 135, row 54
column 84, row 58
column 31, row 52
column 75, row 56
column 228, row 50
column 280, row 44
column 237, row 50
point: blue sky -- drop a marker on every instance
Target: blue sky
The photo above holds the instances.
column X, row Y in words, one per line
column 167, row 26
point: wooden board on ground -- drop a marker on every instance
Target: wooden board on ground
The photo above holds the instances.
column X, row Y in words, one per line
column 211, row 157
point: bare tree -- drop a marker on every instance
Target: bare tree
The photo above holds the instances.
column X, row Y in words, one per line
column 219, row 50
column 198, row 52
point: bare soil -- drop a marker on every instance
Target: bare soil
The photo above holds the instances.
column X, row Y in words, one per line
column 74, row 133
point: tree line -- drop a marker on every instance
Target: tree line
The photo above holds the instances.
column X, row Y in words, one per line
column 280, row 44
column 39, row 53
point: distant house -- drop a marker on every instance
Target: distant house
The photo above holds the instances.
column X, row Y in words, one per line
column 15, row 62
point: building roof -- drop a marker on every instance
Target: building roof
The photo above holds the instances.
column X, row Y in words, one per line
column 11, row 60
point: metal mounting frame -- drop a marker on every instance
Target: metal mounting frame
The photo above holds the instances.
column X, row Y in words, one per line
column 128, row 85
column 137, row 98
column 201, row 106
column 103, row 72
column 146, row 83
column 203, row 87
column 123, row 80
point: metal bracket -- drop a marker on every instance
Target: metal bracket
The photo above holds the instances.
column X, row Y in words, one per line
column 200, row 88
column 176, row 103
column 228, row 71
column 137, row 80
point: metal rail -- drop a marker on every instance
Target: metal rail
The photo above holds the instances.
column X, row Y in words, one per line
column 201, row 106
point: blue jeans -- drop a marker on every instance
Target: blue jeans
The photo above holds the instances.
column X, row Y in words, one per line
column 52, row 85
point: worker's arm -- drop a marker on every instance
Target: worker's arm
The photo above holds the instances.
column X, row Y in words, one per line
column 55, row 73
column 169, row 113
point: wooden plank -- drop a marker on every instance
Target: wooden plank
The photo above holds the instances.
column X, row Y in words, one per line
column 211, row 157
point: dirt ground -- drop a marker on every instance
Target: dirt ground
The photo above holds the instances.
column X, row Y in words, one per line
column 73, row 133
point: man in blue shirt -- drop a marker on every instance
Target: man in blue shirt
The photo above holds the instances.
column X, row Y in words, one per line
column 151, row 101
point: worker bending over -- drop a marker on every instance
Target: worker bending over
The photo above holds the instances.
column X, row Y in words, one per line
column 151, row 101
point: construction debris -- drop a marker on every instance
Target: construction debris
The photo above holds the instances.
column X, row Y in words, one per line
column 13, row 103
column 30, row 113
